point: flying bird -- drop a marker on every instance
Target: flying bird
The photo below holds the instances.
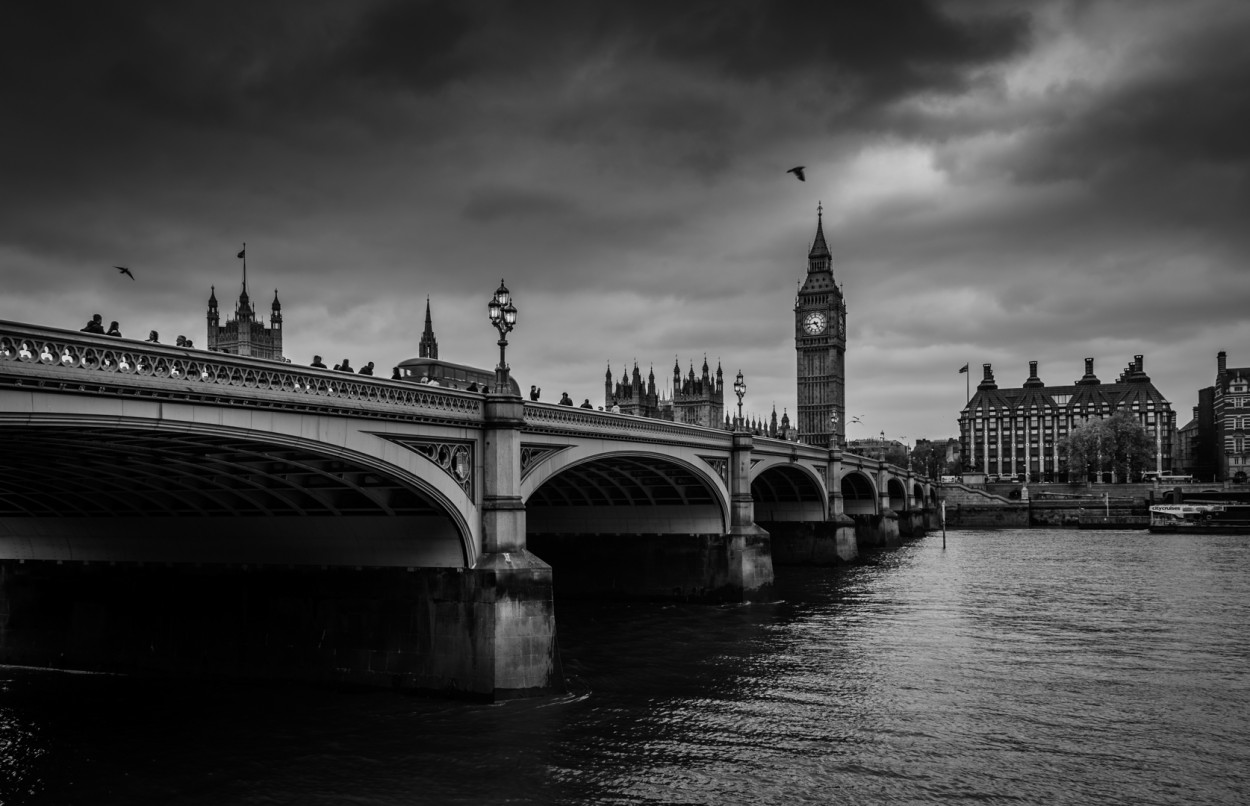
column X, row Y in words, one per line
column 125, row 271
column 856, row 418
column 798, row 172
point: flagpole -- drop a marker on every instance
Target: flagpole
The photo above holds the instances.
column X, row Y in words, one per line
column 245, row 267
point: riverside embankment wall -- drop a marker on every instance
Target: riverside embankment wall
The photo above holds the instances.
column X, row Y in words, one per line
column 976, row 507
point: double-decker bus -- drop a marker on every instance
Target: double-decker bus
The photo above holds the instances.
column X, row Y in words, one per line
column 451, row 376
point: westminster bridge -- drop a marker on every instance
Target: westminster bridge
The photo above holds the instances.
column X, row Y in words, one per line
column 165, row 508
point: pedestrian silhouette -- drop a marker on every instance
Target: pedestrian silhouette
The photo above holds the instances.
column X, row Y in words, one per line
column 317, row 362
column 346, row 366
column 535, row 392
column 395, row 376
column 798, row 172
column 565, row 400
column 586, row 404
column 181, row 341
column 125, row 271
column 154, row 337
column 114, row 330
column 472, row 387
column 367, row 369
column 96, row 325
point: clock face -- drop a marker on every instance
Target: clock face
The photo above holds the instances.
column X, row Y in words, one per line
column 814, row 324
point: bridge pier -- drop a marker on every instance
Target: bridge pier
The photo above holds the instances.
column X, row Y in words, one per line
column 911, row 523
column 750, row 555
column 511, row 624
column 876, row 531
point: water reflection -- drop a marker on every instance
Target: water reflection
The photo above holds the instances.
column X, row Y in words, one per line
column 1023, row 666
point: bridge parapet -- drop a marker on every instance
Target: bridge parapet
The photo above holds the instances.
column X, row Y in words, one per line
column 552, row 418
column 106, row 365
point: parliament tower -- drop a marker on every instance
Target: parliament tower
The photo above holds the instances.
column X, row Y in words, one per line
column 245, row 332
column 820, row 342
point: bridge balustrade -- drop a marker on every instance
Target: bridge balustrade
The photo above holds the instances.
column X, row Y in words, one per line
column 549, row 417
column 110, row 365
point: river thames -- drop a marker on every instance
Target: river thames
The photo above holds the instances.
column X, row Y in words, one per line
column 1015, row 666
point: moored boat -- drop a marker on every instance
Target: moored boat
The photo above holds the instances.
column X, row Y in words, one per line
column 1201, row 517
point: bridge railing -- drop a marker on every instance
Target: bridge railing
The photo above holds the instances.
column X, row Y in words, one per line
column 574, row 419
column 108, row 365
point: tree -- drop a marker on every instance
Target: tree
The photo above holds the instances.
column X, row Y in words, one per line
column 1118, row 443
column 929, row 458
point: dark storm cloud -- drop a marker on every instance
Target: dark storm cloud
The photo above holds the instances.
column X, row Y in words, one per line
column 889, row 47
column 995, row 176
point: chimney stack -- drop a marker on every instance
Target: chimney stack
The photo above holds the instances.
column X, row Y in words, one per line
column 1221, row 362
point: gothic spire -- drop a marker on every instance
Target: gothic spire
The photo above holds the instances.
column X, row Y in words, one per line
column 819, row 258
column 428, row 348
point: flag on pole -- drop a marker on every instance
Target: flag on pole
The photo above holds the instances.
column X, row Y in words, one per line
column 243, row 252
column 962, row 369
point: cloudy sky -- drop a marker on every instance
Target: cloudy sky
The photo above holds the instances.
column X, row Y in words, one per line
column 1002, row 182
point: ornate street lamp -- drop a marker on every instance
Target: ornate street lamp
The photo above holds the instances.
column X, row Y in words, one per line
column 503, row 316
column 833, row 427
column 740, row 389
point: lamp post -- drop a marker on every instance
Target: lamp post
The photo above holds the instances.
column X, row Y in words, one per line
column 503, row 316
column 833, row 428
column 740, row 389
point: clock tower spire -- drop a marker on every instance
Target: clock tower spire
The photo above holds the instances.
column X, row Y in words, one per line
column 820, row 344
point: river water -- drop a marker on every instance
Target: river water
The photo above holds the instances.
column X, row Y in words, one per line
column 1014, row 666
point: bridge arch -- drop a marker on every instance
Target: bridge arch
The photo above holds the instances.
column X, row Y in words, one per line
column 175, row 490
column 897, row 493
column 581, row 490
column 787, row 491
column 917, row 494
column 859, row 493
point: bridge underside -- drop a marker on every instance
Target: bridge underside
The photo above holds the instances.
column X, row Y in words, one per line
column 787, row 494
column 631, row 526
column 624, row 494
column 81, row 493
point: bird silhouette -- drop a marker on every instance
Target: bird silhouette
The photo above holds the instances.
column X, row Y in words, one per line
column 856, row 418
column 125, row 271
column 798, row 172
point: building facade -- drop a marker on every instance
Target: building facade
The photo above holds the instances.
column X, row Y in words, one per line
column 1231, row 408
column 244, row 332
column 695, row 400
column 1017, row 432
column 820, row 345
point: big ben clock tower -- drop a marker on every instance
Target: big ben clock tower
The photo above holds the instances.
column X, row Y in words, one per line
column 820, row 341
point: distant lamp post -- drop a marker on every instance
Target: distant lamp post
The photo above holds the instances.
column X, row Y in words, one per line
column 740, row 389
column 833, row 428
column 503, row 316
